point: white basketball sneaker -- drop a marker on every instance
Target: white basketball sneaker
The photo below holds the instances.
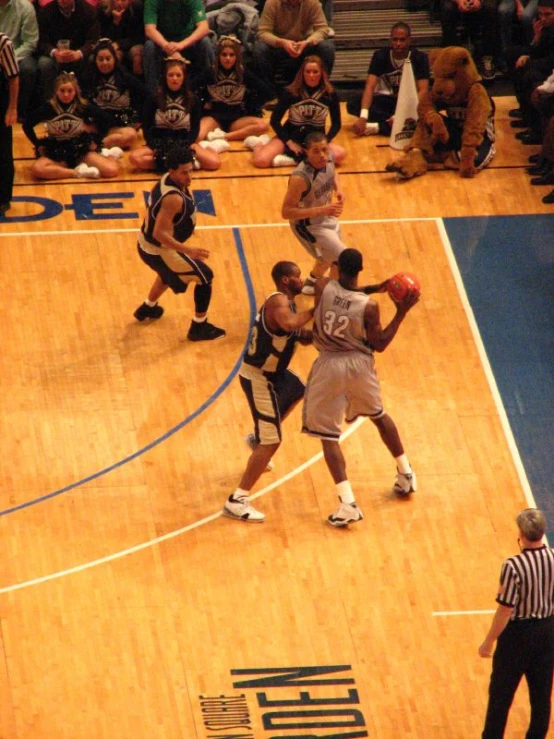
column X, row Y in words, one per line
column 309, row 286
column 346, row 513
column 241, row 510
column 405, row 484
column 251, row 443
column 217, row 133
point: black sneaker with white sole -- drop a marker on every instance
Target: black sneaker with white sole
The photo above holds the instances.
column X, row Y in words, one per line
column 204, row 331
column 144, row 311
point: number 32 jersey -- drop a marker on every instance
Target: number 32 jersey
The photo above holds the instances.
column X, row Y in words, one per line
column 339, row 320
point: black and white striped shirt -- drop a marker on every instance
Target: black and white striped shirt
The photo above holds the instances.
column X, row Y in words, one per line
column 527, row 584
column 8, row 62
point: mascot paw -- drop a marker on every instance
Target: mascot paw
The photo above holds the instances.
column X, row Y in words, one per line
column 467, row 171
column 413, row 164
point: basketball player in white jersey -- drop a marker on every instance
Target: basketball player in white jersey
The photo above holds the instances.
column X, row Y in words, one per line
column 310, row 209
column 343, row 381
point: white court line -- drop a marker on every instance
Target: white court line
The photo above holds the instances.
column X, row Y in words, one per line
column 173, row 534
column 462, row 613
column 487, row 367
column 135, row 230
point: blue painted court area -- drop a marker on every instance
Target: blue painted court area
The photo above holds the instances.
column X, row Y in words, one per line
column 507, row 266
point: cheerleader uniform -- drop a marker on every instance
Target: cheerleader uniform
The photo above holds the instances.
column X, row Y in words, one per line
column 176, row 124
column 120, row 95
column 305, row 115
column 66, row 140
column 226, row 99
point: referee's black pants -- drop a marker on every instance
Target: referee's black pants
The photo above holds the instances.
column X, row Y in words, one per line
column 7, row 169
column 525, row 647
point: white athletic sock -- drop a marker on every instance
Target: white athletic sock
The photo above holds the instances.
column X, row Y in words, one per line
column 199, row 320
column 238, row 494
column 151, row 303
column 403, row 465
column 344, row 491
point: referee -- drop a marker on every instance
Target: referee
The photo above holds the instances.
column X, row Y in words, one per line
column 9, row 89
column 524, row 626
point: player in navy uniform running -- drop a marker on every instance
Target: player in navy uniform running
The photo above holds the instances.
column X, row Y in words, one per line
column 271, row 388
column 170, row 221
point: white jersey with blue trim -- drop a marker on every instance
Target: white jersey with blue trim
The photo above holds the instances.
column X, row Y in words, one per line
column 320, row 184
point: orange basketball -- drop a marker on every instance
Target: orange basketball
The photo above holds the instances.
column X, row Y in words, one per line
column 401, row 284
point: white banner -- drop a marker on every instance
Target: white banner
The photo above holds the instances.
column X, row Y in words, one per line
column 405, row 115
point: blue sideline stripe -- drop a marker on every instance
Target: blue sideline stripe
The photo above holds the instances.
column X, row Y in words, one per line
column 184, row 422
column 507, row 265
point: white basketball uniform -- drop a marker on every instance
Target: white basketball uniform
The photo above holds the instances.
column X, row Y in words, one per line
column 320, row 236
column 343, row 382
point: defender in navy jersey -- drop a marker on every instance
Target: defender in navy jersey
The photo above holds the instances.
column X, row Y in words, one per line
column 310, row 209
column 271, row 389
column 170, row 220
column 523, row 626
column 343, row 381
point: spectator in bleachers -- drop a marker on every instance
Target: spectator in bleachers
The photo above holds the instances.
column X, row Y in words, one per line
column 480, row 20
column 232, row 98
column 172, row 118
column 375, row 107
column 510, row 11
column 308, row 102
column 111, row 87
column 289, row 31
column 177, row 26
column 528, row 67
column 68, row 29
column 122, row 21
column 18, row 20
column 546, row 173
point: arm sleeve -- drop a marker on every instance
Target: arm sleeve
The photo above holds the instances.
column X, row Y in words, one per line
column 29, row 33
column 275, row 121
column 508, row 592
column 148, row 119
column 334, row 111
column 33, row 118
column 195, row 115
column 267, row 24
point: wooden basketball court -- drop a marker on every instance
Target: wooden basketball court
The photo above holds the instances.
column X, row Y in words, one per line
column 129, row 608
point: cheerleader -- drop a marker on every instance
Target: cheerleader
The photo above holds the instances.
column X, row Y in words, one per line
column 232, row 97
column 120, row 95
column 74, row 130
column 308, row 101
column 172, row 116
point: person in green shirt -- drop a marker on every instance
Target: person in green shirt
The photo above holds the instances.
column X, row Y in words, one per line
column 175, row 25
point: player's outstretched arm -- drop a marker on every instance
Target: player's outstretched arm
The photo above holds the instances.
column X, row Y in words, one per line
column 377, row 336
column 279, row 315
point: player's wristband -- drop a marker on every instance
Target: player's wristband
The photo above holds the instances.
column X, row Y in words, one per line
column 364, row 113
